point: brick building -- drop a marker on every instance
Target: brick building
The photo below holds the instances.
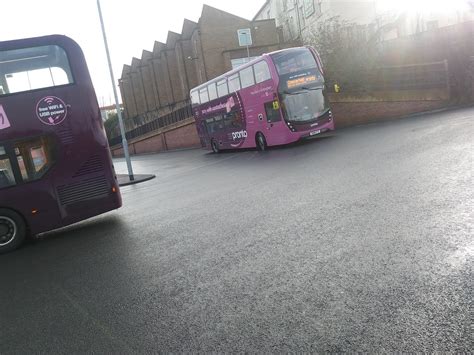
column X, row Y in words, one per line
column 158, row 84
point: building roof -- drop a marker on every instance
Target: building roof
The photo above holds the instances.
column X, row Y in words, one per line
column 267, row 2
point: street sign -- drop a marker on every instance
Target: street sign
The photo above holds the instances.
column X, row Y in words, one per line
column 245, row 37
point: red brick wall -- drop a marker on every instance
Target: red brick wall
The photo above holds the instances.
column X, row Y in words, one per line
column 149, row 145
column 355, row 113
column 183, row 137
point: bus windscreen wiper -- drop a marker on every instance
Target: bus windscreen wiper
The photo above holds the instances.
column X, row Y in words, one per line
column 286, row 92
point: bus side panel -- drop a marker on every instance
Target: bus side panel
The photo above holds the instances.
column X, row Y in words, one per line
column 36, row 202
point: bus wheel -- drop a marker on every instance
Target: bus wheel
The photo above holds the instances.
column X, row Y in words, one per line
column 261, row 142
column 12, row 230
column 215, row 146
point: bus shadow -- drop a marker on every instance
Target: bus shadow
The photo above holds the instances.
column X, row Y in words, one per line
column 90, row 229
column 300, row 143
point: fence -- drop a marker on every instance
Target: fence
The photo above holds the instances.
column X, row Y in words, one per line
column 158, row 123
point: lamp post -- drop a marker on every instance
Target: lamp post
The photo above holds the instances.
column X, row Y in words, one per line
column 117, row 106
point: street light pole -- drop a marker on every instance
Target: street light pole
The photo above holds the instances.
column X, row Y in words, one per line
column 117, row 106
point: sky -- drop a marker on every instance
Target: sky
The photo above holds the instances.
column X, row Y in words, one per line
column 131, row 27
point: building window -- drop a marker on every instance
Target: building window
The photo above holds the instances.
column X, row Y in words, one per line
column 262, row 72
column 246, row 77
column 302, row 18
column 309, row 8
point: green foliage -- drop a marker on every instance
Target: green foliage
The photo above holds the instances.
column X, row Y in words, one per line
column 348, row 52
column 111, row 125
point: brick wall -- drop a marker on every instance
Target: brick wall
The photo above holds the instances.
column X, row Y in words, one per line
column 356, row 113
column 179, row 136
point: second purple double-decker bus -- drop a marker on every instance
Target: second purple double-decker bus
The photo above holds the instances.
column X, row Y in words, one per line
column 55, row 164
column 275, row 99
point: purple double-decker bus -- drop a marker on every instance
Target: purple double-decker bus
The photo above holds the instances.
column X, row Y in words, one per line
column 275, row 99
column 55, row 164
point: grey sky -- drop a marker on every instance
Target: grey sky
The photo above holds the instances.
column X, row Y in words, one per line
column 131, row 26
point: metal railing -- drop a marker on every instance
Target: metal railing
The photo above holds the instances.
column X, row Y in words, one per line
column 156, row 124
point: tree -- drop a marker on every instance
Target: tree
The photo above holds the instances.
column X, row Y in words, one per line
column 348, row 52
column 111, row 125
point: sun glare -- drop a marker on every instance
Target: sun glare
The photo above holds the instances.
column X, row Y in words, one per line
column 423, row 6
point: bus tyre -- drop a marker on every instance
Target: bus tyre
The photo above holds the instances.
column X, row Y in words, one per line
column 261, row 142
column 215, row 146
column 12, row 230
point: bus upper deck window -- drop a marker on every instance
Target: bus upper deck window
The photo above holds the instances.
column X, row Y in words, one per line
column 203, row 94
column 262, row 72
column 211, row 88
column 234, row 82
column 222, row 89
column 195, row 97
column 33, row 68
column 246, row 77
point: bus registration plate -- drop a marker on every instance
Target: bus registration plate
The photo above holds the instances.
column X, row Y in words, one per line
column 315, row 132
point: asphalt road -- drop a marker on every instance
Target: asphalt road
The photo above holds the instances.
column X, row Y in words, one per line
column 359, row 242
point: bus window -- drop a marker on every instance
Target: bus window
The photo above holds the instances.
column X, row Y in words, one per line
column 204, row 95
column 195, row 97
column 246, row 77
column 35, row 157
column 234, row 82
column 222, row 89
column 294, row 60
column 6, row 172
column 212, row 91
column 272, row 112
column 262, row 72
column 33, row 68
column 233, row 120
column 215, row 124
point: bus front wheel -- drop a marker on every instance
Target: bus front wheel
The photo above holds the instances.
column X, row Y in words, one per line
column 12, row 230
column 261, row 142
column 215, row 146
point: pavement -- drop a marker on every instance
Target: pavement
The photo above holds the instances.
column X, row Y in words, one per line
column 125, row 180
column 358, row 242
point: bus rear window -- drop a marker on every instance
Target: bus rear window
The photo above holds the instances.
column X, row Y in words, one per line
column 33, row 68
column 294, row 60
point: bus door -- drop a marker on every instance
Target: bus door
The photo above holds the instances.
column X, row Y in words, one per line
column 273, row 122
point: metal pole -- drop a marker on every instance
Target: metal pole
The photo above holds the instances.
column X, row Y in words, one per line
column 248, row 53
column 117, row 106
